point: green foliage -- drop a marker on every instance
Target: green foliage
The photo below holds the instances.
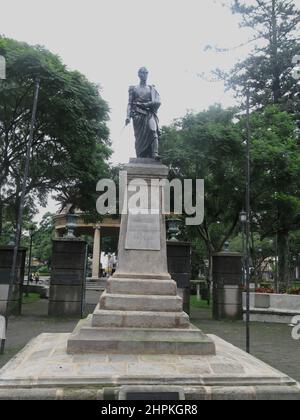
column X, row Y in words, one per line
column 275, row 179
column 199, row 304
column 293, row 291
column 42, row 240
column 31, row 298
column 70, row 145
column 267, row 71
column 208, row 146
column 276, row 171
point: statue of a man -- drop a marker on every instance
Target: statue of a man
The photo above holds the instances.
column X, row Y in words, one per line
column 144, row 102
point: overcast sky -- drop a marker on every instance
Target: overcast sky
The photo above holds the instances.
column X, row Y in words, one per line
column 108, row 40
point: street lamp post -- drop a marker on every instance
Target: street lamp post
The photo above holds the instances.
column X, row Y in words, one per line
column 276, row 264
column 243, row 220
column 2, row 77
column 248, row 186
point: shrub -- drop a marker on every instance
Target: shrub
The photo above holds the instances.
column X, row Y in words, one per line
column 293, row 291
column 265, row 290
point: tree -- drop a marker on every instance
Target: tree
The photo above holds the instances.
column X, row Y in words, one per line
column 268, row 70
column 70, row 145
column 275, row 180
column 209, row 146
column 8, row 225
column 267, row 73
column 295, row 253
column 42, row 240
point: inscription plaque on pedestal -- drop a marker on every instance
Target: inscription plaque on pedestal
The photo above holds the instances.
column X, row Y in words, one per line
column 143, row 232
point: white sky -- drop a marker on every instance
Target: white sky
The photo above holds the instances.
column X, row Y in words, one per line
column 108, row 40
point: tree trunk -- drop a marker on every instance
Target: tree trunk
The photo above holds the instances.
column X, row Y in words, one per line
column 210, row 273
column 276, row 88
column 283, row 259
column 1, row 217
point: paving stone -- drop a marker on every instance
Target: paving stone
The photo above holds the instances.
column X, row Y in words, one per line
column 61, row 370
column 39, row 354
column 227, row 369
column 141, row 369
column 90, row 358
column 96, row 370
column 194, row 370
column 123, row 358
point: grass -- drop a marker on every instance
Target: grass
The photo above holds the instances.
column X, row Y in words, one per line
column 32, row 297
column 199, row 304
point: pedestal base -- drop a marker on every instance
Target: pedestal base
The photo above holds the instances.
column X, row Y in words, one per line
column 43, row 370
column 88, row 339
column 138, row 315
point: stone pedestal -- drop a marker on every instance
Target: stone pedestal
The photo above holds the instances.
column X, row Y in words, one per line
column 68, row 274
column 180, row 268
column 6, row 260
column 227, row 286
column 139, row 340
column 140, row 311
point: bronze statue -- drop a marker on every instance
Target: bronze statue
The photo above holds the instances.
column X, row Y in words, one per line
column 144, row 102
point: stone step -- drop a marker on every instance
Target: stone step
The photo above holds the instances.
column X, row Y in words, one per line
column 151, row 303
column 139, row 319
column 141, row 287
column 88, row 340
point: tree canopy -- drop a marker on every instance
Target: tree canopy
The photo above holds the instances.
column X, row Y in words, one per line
column 208, row 146
column 71, row 140
column 268, row 70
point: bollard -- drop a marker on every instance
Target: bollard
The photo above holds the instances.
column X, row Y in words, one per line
column 2, row 333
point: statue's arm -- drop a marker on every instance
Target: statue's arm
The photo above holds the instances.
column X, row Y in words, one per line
column 155, row 100
column 130, row 102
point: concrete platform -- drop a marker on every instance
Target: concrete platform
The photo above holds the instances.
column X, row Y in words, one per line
column 43, row 370
column 87, row 339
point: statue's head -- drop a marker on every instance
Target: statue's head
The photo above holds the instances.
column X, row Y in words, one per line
column 143, row 74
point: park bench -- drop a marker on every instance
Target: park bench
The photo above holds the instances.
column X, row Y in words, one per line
column 2, row 333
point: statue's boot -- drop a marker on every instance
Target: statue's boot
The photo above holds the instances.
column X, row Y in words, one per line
column 155, row 153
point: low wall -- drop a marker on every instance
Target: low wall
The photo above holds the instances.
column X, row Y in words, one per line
column 272, row 308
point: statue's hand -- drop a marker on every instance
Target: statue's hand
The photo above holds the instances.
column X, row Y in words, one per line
column 127, row 122
column 147, row 105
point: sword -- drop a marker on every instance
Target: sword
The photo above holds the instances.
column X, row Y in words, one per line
column 123, row 129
